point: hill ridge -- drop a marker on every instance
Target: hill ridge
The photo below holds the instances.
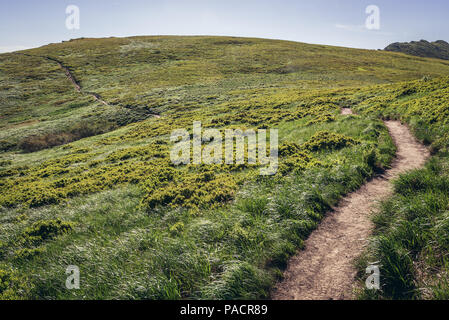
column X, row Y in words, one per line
column 423, row 48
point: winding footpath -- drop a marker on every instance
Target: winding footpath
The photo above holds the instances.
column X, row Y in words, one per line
column 324, row 270
column 75, row 82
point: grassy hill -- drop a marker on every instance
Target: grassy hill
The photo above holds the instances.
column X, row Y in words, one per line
column 86, row 177
column 142, row 76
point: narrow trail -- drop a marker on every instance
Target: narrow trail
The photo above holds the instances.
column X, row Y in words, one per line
column 78, row 87
column 69, row 75
column 324, row 269
column 75, row 82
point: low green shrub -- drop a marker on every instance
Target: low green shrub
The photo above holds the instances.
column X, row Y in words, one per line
column 208, row 189
column 325, row 140
column 13, row 286
column 45, row 230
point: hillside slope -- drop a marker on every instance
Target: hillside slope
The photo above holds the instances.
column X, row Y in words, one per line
column 142, row 76
column 91, row 184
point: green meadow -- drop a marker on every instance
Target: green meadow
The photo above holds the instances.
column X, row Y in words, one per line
column 90, row 184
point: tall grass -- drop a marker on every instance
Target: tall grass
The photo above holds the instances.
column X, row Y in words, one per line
column 236, row 251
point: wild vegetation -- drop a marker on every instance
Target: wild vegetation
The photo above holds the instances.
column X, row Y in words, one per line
column 91, row 184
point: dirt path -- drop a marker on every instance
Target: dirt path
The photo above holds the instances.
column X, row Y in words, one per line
column 346, row 111
column 78, row 87
column 75, row 82
column 324, row 270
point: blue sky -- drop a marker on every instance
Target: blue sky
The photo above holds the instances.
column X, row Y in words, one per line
column 32, row 23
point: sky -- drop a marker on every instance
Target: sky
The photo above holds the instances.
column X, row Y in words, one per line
column 32, row 23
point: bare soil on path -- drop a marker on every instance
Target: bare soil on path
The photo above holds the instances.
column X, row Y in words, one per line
column 325, row 270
